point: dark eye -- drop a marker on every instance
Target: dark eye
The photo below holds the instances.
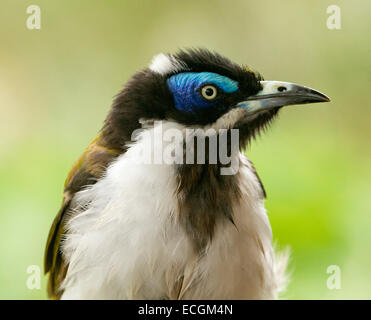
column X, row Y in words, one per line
column 209, row 92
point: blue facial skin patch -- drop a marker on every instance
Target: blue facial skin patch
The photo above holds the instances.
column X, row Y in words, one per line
column 184, row 87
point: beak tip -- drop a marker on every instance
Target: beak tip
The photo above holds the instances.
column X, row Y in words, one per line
column 327, row 99
column 322, row 97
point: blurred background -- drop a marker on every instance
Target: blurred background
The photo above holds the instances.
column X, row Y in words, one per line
column 57, row 84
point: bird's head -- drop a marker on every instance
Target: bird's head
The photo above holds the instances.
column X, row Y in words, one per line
column 204, row 89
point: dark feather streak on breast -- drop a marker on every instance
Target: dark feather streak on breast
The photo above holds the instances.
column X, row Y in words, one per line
column 205, row 197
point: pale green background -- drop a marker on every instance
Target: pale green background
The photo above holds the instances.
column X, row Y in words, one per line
column 57, row 84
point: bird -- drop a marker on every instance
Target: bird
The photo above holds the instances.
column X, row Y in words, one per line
column 135, row 227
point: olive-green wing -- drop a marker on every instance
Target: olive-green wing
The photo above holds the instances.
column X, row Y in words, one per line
column 85, row 171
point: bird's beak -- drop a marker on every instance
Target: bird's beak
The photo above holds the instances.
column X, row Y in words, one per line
column 278, row 94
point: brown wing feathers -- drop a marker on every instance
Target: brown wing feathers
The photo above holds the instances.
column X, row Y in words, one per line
column 86, row 171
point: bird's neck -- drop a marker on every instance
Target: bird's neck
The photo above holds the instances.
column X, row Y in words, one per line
column 206, row 166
